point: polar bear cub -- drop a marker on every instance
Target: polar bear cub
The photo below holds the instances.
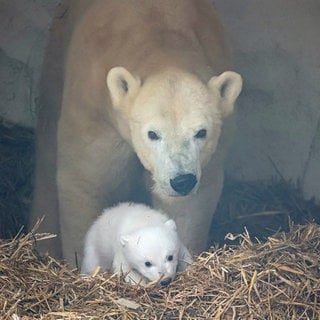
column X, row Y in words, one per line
column 137, row 241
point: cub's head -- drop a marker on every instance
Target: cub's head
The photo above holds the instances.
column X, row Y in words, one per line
column 173, row 121
column 153, row 251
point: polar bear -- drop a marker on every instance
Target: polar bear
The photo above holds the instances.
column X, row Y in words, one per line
column 137, row 99
column 137, row 241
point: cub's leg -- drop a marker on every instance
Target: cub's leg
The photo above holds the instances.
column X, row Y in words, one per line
column 120, row 266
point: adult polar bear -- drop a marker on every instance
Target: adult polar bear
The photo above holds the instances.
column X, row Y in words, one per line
column 134, row 94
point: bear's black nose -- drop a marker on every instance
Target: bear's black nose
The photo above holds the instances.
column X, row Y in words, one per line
column 183, row 183
column 165, row 282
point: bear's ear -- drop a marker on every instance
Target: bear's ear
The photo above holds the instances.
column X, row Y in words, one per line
column 229, row 85
column 121, row 84
column 171, row 224
column 124, row 240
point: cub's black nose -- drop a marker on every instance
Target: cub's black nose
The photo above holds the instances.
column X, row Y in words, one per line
column 165, row 282
column 184, row 183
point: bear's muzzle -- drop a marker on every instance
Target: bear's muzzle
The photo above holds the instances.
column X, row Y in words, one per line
column 184, row 183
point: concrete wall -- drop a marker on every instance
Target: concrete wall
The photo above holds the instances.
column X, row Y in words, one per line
column 276, row 49
column 23, row 35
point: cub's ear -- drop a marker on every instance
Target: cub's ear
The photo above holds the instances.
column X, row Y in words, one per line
column 171, row 224
column 122, row 84
column 229, row 85
column 124, row 240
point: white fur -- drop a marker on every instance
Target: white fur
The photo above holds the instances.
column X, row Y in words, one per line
column 115, row 71
column 127, row 236
column 193, row 106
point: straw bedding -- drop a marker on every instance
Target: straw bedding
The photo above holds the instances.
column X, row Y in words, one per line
column 275, row 279
column 263, row 207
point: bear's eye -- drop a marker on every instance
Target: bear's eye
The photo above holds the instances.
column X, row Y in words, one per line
column 170, row 258
column 153, row 136
column 201, row 134
column 148, row 264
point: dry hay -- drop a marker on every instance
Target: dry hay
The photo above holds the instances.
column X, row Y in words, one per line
column 277, row 279
column 262, row 207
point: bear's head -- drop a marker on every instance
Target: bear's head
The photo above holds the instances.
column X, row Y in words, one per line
column 153, row 251
column 173, row 121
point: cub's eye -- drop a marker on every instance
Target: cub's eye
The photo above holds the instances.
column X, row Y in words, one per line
column 153, row 136
column 201, row 134
column 148, row 264
column 170, row 258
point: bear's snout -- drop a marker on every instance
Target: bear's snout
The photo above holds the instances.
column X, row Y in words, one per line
column 184, row 183
column 165, row 282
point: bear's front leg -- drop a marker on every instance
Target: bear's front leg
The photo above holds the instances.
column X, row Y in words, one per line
column 91, row 260
column 82, row 192
column 135, row 277
column 95, row 170
column 78, row 210
column 193, row 213
column 184, row 258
